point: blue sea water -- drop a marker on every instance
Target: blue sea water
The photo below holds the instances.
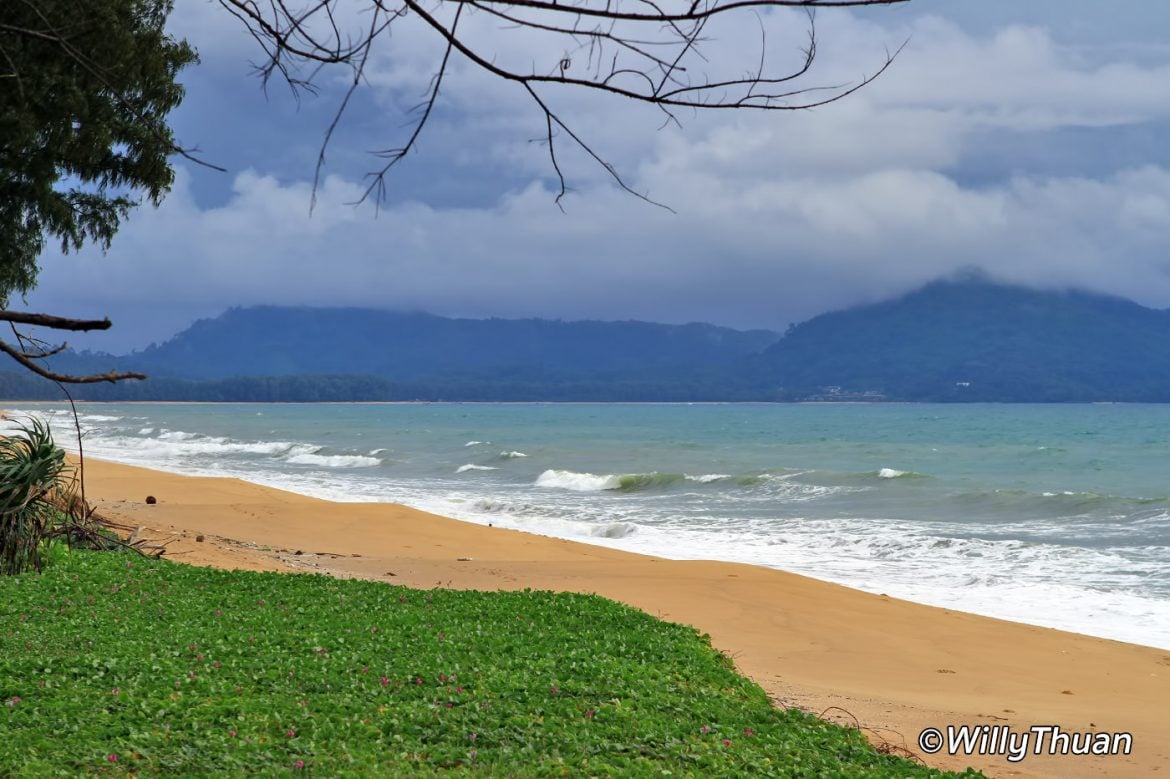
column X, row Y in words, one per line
column 1055, row 515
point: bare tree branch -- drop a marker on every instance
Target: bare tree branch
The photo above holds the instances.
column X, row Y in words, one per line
column 29, row 349
column 647, row 51
column 27, row 361
column 54, row 322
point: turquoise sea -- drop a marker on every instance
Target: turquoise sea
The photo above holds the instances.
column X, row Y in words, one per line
column 1055, row 515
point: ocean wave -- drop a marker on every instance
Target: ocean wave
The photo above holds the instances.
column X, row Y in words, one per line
column 893, row 473
column 190, row 445
column 636, row 482
column 737, row 479
column 707, row 478
column 578, row 482
column 473, row 467
column 146, row 431
column 376, row 452
column 612, row 530
column 476, row 443
column 624, row 482
column 511, row 455
column 334, row 460
column 550, row 520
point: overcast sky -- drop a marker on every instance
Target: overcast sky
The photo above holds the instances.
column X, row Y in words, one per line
column 1026, row 138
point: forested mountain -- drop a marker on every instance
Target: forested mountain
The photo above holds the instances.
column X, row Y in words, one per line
column 273, row 341
column 971, row 339
column 965, row 339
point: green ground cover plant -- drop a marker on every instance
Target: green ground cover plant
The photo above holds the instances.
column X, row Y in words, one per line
column 112, row 664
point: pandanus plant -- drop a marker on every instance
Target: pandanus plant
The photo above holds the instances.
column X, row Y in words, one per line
column 35, row 482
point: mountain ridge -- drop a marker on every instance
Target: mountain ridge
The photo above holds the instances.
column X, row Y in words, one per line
column 959, row 339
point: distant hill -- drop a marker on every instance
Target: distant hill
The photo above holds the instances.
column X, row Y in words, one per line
column 278, row 341
column 966, row 339
column 973, row 339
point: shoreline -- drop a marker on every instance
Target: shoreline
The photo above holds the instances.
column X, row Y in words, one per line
column 894, row 666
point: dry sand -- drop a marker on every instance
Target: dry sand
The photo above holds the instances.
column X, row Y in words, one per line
column 895, row 666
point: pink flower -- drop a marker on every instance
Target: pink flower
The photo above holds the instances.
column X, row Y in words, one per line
column 112, row 758
column 748, row 732
column 726, row 742
column 366, row 670
column 443, row 678
column 589, row 714
column 291, row 733
column 218, row 612
column 418, row 680
column 705, row 729
column 473, row 736
column 553, row 690
column 385, row 681
column 458, row 689
column 232, row 733
column 215, row 664
column 299, row 764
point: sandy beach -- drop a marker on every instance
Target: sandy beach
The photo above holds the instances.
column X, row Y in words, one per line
column 893, row 667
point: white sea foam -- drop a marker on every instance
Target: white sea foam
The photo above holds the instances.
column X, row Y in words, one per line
column 476, row 443
column 176, row 435
column 334, row 460
column 375, row 452
column 890, row 473
column 146, row 431
column 511, row 455
column 578, row 482
column 707, row 478
column 189, row 445
column 473, row 467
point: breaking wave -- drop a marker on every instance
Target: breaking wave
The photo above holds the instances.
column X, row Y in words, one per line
column 636, row 482
column 578, row 482
column 473, row 467
column 893, row 473
column 334, row 460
